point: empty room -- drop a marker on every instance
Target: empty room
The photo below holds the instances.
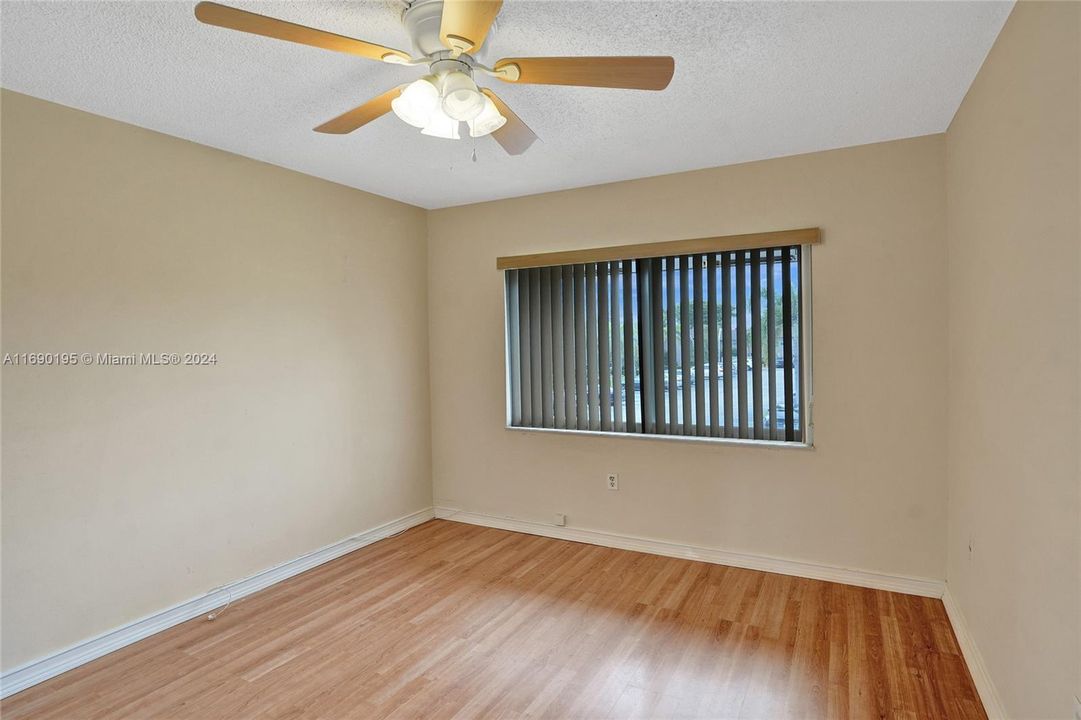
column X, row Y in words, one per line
column 547, row 359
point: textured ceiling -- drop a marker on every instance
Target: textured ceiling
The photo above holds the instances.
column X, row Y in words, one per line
column 753, row 80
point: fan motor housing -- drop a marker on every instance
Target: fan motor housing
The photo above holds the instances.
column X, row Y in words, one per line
column 422, row 20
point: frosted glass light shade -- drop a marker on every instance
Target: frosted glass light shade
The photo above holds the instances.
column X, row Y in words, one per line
column 488, row 121
column 461, row 99
column 441, row 126
column 417, row 102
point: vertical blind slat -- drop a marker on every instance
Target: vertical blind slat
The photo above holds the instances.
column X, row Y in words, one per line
column 756, row 344
column 645, row 369
column 603, row 360
column 771, row 341
column 656, row 299
column 740, row 365
column 569, row 403
column 523, row 339
column 535, row 370
column 617, row 347
column 513, row 348
column 726, row 341
column 647, row 330
column 798, row 328
column 592, row 358
column 685, row 340
column 558, row 386
column 548, row 406
column 628, row 344
column 714, row 366
column 582, row 405
column 670, row 313
column 786, row 312
column 699, row 347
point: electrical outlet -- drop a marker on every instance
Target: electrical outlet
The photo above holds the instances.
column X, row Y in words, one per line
column 613, row 481
column 561, row 519
column 1076, row 708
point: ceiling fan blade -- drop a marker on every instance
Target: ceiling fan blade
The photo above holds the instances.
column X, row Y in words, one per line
column 350, row 121
column 636, row 73
column 465, row 23
column 233, row 19
column 515, row 136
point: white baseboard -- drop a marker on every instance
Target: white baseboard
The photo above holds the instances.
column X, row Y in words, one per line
column 42, row 669
column 981, row 678
column 799, row 568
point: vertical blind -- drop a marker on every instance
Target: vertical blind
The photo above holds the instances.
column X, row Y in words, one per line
column 702, row 345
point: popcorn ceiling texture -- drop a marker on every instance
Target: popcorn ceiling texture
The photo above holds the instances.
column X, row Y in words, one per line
column 753, row 81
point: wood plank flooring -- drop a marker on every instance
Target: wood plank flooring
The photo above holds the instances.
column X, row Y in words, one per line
column 456, row 621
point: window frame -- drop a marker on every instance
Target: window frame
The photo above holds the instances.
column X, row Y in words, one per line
column 806, row 371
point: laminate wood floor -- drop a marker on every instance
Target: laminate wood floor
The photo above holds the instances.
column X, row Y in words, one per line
column 453, row 620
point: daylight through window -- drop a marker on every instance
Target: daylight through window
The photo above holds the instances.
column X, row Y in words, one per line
column 705, row 345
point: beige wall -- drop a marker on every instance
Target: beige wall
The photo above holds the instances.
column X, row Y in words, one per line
column 128, row 489
column 1014, row 229
column 871, row 495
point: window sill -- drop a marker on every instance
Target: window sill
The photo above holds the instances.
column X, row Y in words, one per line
column 738, row 442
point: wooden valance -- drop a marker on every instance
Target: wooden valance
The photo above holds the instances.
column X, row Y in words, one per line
column 696, row 246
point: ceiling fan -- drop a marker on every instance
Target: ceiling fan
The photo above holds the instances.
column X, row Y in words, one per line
column 447, row 36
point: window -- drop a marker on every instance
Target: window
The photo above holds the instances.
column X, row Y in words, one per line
column 706, row 345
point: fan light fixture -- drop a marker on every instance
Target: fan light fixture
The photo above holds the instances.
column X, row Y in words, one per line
column 440, row 125
column 437, row 105
column 418, row 101
column 488, row 121
column 461, row 98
